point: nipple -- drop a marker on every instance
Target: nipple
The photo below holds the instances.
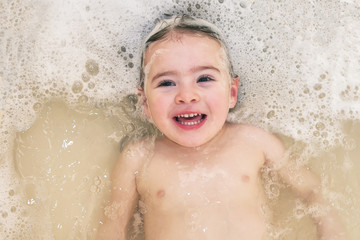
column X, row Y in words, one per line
column 160, row 194
column 245, row 178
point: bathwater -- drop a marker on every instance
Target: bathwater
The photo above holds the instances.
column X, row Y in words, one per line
column 68, row 70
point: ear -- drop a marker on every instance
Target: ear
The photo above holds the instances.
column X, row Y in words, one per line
column 234, row 88
column 142, row 98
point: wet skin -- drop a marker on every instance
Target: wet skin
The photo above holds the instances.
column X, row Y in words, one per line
column 201, row 179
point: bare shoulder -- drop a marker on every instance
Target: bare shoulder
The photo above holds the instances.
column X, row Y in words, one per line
column 134, row 154
column 138, row 149
column 250, row 131
column 246, row 128
column 269, row 143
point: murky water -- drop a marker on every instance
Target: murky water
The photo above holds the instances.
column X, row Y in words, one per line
column 67, row 68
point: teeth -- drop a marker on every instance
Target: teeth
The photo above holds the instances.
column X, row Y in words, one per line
column 190, row 123
column 189, row 115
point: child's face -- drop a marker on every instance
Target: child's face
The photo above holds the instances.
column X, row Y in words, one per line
column 187, row 89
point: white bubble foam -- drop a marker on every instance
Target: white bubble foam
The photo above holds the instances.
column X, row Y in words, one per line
column 298, row 63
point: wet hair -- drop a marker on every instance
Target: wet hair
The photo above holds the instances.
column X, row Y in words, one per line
column 184, row 24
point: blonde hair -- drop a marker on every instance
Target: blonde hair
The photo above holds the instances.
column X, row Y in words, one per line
column 184, row 24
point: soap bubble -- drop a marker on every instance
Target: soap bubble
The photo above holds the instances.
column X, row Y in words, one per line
column 92, row 67
column 77, row 87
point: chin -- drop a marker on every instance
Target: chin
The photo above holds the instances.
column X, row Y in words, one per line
column 189, row 144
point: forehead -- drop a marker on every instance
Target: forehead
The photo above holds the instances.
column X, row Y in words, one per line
column 191, row 48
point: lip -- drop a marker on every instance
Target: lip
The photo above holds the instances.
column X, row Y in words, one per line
column 190, row 120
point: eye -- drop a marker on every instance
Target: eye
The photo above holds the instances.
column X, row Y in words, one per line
column 166, row 83
column 205, row 79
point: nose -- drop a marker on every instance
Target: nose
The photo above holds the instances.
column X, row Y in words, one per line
column 187, row 94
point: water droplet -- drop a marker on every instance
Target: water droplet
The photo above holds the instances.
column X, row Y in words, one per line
column 85, row 77
column 320, row 126
column 270, row 114
column 83, row 99
column 91, row 85
column 317, row 87
column 322, row 95
column 92, row 67
column 11, row 192
column 77, row 87
column 131, row 65
column 37, row 107
column 221, row 1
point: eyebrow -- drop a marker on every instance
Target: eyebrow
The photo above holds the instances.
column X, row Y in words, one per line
column 193, row 70
column 161, row 74
column 201, row 68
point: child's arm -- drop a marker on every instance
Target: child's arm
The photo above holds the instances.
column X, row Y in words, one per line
column 306, row 185
column 124, row 196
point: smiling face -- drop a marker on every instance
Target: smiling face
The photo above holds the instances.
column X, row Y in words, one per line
column 187, row 89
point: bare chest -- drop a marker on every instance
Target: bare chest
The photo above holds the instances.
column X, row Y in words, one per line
column 171, row 183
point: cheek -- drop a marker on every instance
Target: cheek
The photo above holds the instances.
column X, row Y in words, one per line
column 157, row 106
column 220, row 99
column 219, row 106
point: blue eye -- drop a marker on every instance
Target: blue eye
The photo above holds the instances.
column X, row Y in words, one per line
column 205, row 79
column 166, row 83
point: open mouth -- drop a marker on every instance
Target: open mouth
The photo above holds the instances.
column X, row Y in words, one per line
column 190, row 119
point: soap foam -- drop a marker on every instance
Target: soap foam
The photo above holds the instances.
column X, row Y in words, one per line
column 298, row 65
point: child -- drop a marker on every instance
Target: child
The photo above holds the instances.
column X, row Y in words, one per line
column 201, row 178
